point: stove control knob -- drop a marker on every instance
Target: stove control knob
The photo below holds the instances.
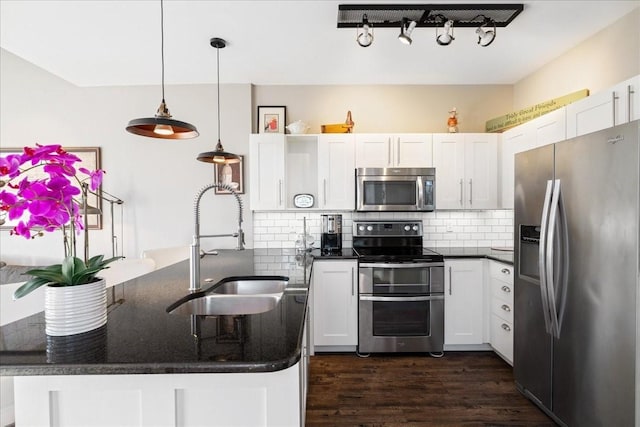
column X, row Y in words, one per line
column 415, row 228
column 407, row 228
column 369, row 228
column 361, row 227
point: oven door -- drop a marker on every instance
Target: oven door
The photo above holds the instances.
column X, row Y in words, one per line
column 395, row 193
column 401, row 324
column 403, row 278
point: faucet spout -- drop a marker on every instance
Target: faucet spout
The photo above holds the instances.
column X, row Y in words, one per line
column 194, row 260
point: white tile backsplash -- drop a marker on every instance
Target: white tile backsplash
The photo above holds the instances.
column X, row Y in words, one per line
column 442, row 229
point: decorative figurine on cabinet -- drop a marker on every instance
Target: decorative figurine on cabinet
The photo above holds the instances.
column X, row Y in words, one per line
column 452, row 123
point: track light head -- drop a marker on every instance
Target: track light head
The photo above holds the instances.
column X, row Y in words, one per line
column 406, row 28
column 446, row 37
column 486, row 36
column 365, row 38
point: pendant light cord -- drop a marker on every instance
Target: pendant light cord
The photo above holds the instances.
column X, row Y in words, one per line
column 162, row 44
column 218, row 76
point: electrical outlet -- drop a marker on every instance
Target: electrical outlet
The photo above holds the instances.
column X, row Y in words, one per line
column 449, row 228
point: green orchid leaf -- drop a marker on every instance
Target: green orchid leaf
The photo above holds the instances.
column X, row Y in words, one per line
column 29, row 287
column 48, row 275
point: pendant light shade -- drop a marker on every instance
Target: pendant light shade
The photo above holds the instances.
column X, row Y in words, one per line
column 219, row 155
column 162, row 125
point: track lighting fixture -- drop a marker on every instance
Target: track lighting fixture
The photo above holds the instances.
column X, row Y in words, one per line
column 446, row 37
column 162, row 125
column 365, row 38
column 475, row 18
column 486, row 36
column 219, row 155
column 406, row 28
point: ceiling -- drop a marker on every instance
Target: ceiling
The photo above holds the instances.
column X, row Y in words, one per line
column 117, row 42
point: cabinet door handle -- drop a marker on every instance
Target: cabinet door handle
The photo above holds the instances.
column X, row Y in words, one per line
column 398, row 152
column 352, row 283
column 470, row 191
column 461, row 201
column 324, row 190
column 506, row 327
column 279, row 192
column 505, row 271
column 389, row 141
column 450, row 280
column 506, row 308
column 506, row 289
column 630, row 92
column 614, row 97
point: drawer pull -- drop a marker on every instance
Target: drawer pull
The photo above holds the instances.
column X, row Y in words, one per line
column 506, row 308
column 506, row 327
column 506, row 271
column 506, row 289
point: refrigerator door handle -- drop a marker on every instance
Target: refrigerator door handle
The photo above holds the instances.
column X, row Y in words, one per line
column 542, row 270
column 550, row 262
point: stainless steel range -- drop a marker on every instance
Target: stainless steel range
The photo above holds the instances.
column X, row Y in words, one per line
column 401, row 284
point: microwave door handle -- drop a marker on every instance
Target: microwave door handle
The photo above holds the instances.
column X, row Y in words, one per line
column 542, row 249
column 420, row 190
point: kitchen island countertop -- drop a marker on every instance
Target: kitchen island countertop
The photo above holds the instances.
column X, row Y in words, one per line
column 140, row 337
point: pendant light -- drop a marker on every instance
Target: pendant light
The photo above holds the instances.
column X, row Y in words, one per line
column 162, row 125
column 219, row 155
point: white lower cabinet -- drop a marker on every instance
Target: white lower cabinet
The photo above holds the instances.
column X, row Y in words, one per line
column 501, row 284
column 215, row 399
column 464, row 302
column 335, row 304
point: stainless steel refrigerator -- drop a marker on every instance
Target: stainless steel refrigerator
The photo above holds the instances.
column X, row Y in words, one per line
column 577, row 263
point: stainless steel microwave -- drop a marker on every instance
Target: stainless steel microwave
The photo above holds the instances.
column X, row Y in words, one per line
column 395, row 189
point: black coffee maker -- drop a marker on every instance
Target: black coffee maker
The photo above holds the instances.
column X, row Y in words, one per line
column 331, row 236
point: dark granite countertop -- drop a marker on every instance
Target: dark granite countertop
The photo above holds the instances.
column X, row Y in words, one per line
column 140, row 337
column 345, row 253
column 505, row 256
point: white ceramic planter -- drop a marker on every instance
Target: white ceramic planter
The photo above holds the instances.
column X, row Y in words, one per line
column 70, row 310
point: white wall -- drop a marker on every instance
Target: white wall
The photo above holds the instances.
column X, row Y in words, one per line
column 157, row 179
column 389, row 108
column 610, row 56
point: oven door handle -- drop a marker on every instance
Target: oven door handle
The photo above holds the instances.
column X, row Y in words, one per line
column 401, row 265
column 401, row 299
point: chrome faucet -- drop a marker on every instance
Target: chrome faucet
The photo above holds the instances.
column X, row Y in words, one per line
column 194, row 270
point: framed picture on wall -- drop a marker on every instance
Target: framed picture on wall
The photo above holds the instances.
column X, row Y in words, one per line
column 89, row 159
column 272, row 119
column 231, row 174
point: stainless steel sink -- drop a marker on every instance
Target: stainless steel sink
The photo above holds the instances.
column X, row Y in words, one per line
column 234, row 296
column 251, row 286
column 221, row 304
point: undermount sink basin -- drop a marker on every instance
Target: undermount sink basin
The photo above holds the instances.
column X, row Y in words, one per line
column 221, row 304
column 235, row 295
column 252, row 286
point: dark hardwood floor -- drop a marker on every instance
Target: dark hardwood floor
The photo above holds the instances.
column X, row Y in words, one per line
column 459, row 389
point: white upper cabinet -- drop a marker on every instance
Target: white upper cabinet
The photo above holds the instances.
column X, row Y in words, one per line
column 394, row 150
column 267, row 168
column 466, row 170
column 546, row 129
column 616, row 105
column 283, row 166
column 336, row 171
